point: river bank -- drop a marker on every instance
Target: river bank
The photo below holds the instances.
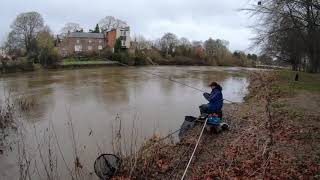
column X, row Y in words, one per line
column 273, row 135
column 22, row 64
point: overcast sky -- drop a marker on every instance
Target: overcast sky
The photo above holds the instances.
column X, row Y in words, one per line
column 194, row 19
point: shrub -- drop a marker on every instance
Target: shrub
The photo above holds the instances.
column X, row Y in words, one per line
column 48, row 54
column 107, row 53
column 123, row 57
column 48, row 57
column 154, row 55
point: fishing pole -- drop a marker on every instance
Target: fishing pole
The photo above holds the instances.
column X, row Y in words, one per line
column 175, row 81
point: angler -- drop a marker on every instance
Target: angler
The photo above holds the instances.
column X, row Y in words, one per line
column 213, row 110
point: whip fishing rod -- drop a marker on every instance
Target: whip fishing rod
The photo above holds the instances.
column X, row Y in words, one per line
column 175, row 81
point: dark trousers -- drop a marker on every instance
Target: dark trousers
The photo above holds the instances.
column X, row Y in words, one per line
column 204, row 109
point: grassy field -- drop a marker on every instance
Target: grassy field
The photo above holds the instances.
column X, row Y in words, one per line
column 307, row 82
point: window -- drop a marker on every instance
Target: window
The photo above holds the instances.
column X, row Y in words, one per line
column 100, row 41
column 99, row 47
column 78, row 41
column 89, row 48
column 123, row 43
column 77, row 48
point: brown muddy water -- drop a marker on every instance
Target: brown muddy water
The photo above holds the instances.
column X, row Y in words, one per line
column 73, row 113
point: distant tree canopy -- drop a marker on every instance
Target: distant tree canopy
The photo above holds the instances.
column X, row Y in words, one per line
column 24, row 30
column 289, row 31
column 141, row 42
column 71, row 27
column 168, row 43
column 109, row 22
column 216, row 48
column 210, row 52
column 29, row 35
column 184, row 47
column 14, row 43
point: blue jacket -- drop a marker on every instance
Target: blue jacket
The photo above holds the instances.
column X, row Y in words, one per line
column 215, row 99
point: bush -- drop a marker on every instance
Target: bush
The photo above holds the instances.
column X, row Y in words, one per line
column 107, row 53
column 141, row 58
column 154, row 55
column 123, row 57
column 19, row 64
column 48, row 57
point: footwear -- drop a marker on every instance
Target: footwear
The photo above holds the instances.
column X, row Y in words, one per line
column 224, row 126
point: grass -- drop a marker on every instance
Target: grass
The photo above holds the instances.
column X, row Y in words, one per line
column 307, row 82
column 65, row 63
column 83, row 61
column 286, row 87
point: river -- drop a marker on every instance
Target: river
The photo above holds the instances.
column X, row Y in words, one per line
column 78, row 111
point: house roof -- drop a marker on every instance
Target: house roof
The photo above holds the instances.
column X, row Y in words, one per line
column 86, row 35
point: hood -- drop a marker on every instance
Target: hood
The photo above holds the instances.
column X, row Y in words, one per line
column 219, row 88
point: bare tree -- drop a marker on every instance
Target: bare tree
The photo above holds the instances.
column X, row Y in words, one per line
column 109, row 22
column 184, row 47
column 184, row 42
column 210, row 47
column 71, row 27
column 26, row 27
column 169, row 42
column 216, row 48
column 157, row 43
column 142, row 43
column 289, row 30
column 13, row 44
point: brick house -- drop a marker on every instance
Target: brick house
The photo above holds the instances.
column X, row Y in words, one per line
column 81, row 42
column 92, row 43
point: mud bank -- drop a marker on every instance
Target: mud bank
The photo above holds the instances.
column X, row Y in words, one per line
column 268, row 139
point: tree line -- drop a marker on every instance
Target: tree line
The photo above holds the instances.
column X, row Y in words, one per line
column 170, row 49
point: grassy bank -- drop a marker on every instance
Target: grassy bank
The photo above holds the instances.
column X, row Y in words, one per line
column 78, row 62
